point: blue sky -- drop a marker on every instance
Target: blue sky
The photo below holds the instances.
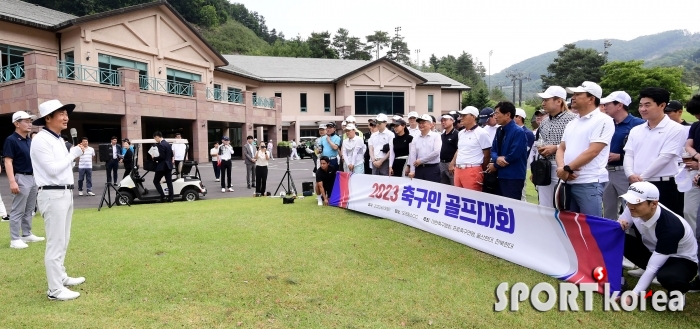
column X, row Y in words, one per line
column 515, row 30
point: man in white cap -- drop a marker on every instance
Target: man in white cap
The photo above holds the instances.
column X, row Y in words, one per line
column 380, row 146
column 520, row 116
column 583, row 152
column 52, row 164
column 488, row 122
column 351, row 119
column 616, row 106
column 663, row 243
column 549, row 135
column 413, row 129
column 353, row 150
column 473, row 152
column 18, row 166
column 424, row 152
column 450, row 139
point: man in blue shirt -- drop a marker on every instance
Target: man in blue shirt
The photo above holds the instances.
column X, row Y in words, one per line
column 616, row 106
column 508, row 153
column 331, row 145
column 18, row 165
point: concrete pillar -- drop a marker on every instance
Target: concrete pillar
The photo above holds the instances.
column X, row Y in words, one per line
column 259, row 131
column 131, row 122
column 249, row 116
column 293, row 131
column 41, row 80
column 199, row 142
column 272, row 136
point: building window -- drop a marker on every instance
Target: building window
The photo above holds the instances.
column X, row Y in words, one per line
column 278, row 95
column 11, row 55
column 179, row 82
column 69, row 72
column 235, row 95
column 430, row 103
column 217, row 92
column 109, row 65
column 375, row 102
column 308, row 132
column 326, row 102
column 302, row 101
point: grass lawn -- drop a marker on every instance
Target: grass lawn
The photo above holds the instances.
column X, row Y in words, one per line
column 253, row 263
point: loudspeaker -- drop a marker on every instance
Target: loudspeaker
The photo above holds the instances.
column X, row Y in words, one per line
column 104, row 150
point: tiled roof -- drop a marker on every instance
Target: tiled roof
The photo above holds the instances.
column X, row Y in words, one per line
column 33, row 15
column 315, row 70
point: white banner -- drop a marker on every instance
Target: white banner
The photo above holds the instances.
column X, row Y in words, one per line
column 568, row 246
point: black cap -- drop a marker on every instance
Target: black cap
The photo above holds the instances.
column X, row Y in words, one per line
column 330, row 124
column 540, row 112
column 485, row 114
column 400, row 122
column 673, row 106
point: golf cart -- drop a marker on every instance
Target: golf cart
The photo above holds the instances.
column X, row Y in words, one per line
column 187, row 186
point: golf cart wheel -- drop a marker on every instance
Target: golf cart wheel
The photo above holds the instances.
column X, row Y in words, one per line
column 124, row 198
column 190, row 195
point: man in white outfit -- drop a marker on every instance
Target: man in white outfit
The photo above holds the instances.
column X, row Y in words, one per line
column 52, row 164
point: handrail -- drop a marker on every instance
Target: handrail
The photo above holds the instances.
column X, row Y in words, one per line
column 218, row 94
column 264, row 102
column 79, row 72
column 12, row 72
column 168, row 86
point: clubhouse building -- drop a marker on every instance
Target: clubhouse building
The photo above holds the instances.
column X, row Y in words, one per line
column 143, row 68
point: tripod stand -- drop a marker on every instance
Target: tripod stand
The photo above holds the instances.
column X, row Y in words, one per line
column 290, row 188
column 107, row 195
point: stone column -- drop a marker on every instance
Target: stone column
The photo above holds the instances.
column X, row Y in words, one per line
column 199, row 143
column 272, row 135
column 293, row 131
column 249, row 114
column 41, row 80
column 131, row 125
column 259, row 131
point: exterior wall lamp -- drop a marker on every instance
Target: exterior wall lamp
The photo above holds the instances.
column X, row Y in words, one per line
column 88, row 56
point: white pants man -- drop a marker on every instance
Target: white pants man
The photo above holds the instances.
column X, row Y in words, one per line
column 56, row 206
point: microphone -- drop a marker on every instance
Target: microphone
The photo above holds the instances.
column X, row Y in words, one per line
column 74, row 134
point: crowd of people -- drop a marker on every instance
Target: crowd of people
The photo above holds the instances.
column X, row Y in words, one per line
column 587, row 154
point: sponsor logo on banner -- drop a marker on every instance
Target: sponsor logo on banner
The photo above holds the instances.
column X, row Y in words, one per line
column 564, row 245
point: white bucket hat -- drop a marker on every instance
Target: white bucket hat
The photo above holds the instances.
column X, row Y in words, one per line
column 49, row 107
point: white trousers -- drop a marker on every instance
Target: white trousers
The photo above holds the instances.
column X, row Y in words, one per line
column 691, row 200
column 56, row 206
column 3, row 210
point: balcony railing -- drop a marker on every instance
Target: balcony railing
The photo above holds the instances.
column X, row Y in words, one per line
column 12, row 72
column 264, row 102
column 78, row 72
column 223, row 95
column 168, row 86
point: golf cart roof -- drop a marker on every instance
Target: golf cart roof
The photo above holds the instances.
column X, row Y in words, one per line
column 153, row 141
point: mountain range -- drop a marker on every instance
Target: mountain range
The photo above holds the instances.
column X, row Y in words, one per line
column 670, row 48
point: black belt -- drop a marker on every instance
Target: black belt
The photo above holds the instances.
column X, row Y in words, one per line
column 56, row 187
column 426, row 165
column 446, row 161
column 24, row 173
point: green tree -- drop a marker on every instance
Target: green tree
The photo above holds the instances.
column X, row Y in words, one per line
column 378, row 41
column 498, row 95
column 208, row 16
column 340, row 42
column 399, row 51
column 320, row 45
column 356, row 49
column 632, row 77
column 573, row 66
column 434, row 63
column 477, row 97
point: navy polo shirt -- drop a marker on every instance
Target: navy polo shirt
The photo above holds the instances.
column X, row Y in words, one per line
column 622, row 130
column 694, row 134
column 17, row 148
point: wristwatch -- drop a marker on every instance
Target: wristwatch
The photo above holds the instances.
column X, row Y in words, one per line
column 568, row 169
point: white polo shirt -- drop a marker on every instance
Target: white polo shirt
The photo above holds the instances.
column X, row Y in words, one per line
column 595, row 127
column 51, row 161
column 214, row 152
column 471, row 145
column 378, row 140
column 178, row 151
column 666, row 233
column 645, row 145
column 353, row 150
column 491, row 130
column 225, row 152
column 415, row 132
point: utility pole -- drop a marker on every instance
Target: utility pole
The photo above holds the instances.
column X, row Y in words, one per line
column 397, row 29
column 417, row 57
column 490, row 53
column 606, row 45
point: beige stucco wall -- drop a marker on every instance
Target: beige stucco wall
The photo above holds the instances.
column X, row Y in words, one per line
column 291, row 103
column 27, row 37
column 450, row 100
column 422, row 93
column 153, row 36
column 230, row 80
